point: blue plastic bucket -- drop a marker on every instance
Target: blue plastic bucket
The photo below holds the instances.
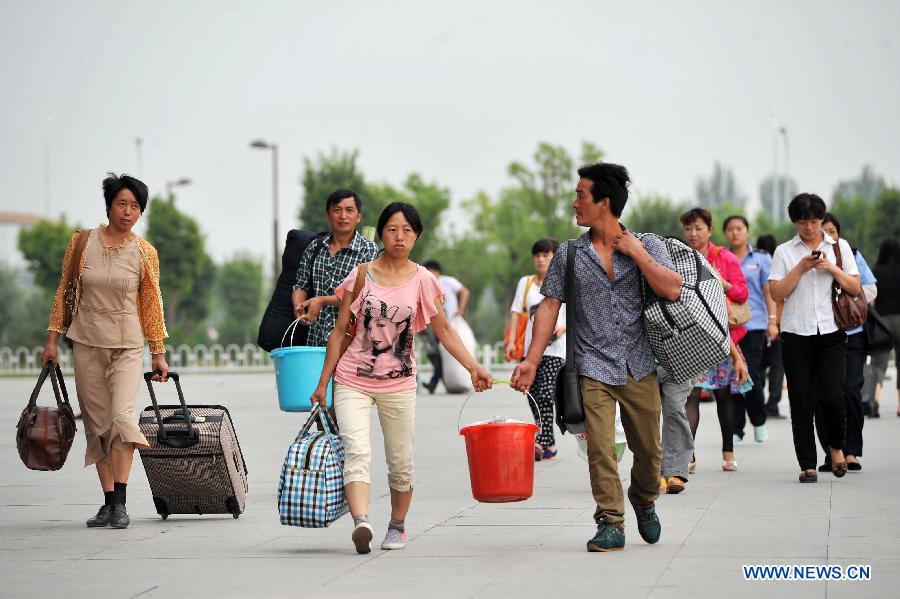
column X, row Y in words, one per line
column 297, row 371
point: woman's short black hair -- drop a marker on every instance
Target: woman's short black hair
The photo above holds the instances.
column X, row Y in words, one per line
column 542, row 246
column 409, row 213
column 339, row 195
column 830, row 218
column 733, row 217
column 767, row 244
column 806, row 206
column 113, row 184
column 696, row 213
column 610, row 181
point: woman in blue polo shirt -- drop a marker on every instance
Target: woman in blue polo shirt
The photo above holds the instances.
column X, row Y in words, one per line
column 762, row 325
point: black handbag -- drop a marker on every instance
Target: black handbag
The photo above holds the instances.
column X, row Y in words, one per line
column 569, row 406
column 878, row 334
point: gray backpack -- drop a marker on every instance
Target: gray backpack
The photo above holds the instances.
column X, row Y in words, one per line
column 689, row 335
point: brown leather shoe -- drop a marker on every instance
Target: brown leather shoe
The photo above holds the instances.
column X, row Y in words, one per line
column 674, row 485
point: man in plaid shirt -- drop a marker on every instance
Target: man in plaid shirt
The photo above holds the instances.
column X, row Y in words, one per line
column 326, row 262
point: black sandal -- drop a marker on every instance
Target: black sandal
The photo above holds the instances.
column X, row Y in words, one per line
column 809, row 476
column 854, row 466
column 839, row 469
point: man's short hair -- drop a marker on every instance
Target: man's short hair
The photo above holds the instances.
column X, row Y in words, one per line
column 806, row 206
column 339, row 195
column 433, row 265
column 609, row 181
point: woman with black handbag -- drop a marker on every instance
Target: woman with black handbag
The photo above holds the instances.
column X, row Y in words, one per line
column 107, row 303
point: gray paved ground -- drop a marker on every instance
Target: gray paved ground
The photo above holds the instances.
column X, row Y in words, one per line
column 458, row 547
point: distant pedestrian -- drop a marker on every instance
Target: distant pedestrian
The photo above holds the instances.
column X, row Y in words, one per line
column 815, row 349
column 118, row 305
column 526, row 301
column 326, row 262
column 398, row 299
column 612, row 354
column 725, row 379
column 887, row 271
column 761, row 328
column 456, row 300
column 773, row 368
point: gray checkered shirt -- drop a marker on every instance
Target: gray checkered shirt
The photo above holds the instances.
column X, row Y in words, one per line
column 609, row 324
column 327, row 273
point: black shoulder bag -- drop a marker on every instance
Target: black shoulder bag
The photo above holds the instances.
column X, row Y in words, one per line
column 569, row 407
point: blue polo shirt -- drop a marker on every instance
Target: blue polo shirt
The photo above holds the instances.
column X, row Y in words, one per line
column 756, row 266
column 866, row 277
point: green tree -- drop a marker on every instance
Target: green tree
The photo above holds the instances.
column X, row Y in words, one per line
column 763, row 225
column 430, row 199
column 328, row 172
column 654, row 214
column 184, row 265
column 44, row 246
column 240, row 284
column 24, row 311
column 720, row 188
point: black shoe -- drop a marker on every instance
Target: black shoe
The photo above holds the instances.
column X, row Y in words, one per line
column 854, row 466
column 826, row 467
column 118, row 517
column 431, row 387
column 101, row 519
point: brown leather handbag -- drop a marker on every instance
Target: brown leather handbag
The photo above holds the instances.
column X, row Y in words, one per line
column 44, row 435
column 849, row 310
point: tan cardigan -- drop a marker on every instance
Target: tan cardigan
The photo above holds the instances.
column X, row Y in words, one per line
column 150, row 303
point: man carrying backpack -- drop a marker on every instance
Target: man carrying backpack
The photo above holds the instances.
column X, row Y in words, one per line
column 612, row 354
column 326, row 263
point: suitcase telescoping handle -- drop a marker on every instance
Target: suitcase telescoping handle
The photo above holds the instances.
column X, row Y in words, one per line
column 175, row 438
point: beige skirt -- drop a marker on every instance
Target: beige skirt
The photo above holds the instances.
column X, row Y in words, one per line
column 107, row 382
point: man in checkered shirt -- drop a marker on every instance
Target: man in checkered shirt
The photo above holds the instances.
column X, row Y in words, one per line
column 326, row 262
column 612, row 354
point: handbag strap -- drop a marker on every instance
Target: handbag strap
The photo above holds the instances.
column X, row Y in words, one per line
column 571, row 305
column 836, row 288
column 75, row 264
column 317, row 414
column 528, row 283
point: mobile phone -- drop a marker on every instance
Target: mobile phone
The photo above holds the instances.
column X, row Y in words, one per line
column 816, row 254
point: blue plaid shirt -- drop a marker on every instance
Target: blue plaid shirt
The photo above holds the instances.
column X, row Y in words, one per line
column 327, row 273
column 610, row 341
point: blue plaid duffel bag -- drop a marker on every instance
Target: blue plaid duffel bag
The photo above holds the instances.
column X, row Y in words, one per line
column 311, row 489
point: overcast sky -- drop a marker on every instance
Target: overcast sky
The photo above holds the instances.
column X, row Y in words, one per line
column 452, row 90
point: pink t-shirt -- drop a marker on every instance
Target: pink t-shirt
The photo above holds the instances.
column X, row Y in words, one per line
column 382, row 357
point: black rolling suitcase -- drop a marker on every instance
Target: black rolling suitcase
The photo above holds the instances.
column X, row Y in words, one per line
column 194, row 462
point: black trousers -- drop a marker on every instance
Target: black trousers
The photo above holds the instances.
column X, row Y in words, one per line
column 815, row 366
column 853, row 382
column 775, row 375
column 438, row 364
column 754, row 401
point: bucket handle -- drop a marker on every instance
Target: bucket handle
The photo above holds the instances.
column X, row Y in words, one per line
column 292, row 328
column 496, row 382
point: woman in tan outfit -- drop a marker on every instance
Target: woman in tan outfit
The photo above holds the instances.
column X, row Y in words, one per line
column 118, row 305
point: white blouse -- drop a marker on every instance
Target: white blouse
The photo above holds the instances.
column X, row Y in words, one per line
column 807, row 310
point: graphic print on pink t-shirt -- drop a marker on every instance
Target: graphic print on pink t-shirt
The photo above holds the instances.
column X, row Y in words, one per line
column 387, row 340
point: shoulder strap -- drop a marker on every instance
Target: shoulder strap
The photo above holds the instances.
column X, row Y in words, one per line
column 312, row 263
column 75, row 264
column 571, row 305
column 528, row 283
column 360, row 279
column 837, row 254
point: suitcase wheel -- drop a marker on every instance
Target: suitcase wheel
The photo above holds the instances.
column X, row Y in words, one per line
column 162, row 508
column 231, row 505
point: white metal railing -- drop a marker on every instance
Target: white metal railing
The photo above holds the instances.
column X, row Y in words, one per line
column 22, row 360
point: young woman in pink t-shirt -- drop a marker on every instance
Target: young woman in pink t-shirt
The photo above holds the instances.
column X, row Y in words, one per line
column 398, row 299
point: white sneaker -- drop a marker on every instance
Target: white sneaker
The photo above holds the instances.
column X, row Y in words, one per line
column 394, row 539
column 362, row 537
column 737, row 440
column 760, row 433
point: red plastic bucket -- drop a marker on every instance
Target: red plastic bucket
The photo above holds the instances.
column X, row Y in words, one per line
column 501, row 460
column 501, row 457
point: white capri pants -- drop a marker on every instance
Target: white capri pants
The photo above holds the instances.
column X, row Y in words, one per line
column 397, row 414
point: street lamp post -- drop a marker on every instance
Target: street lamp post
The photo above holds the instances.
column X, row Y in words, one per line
column 179, row 183
column 276, row 261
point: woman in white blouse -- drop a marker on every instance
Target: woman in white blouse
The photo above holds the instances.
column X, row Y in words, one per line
column 814, row 347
